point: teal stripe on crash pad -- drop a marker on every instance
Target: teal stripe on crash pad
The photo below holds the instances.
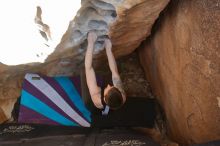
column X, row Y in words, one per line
column 38, row 106
column 73, row 94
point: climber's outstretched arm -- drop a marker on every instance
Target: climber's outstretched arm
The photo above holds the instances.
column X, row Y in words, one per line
column 114, row 69
column 94, row 90
column 111, row 58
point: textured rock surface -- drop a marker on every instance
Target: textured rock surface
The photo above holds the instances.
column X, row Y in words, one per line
column 10, row 87
column 2, row 67
column 182, row 63
column 132, row 75
column 126, row 22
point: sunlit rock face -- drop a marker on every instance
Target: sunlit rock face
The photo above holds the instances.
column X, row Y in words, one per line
column 2, row 67
column 11, row 78
column 126, row 22
column 182, row 62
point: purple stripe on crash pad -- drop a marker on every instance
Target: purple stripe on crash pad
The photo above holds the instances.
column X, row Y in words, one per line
column 54, row 84
column 27, row 115
column 77, row 83
column 27, row 86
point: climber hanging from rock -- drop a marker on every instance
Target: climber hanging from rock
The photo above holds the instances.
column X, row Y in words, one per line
column 113, row 96
column 44, row 29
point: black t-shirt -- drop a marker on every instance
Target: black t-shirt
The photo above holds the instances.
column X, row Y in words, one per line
column 137, row 111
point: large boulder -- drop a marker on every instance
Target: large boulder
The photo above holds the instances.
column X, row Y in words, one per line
column 11, row 78
column 182, row 62
column 126, row 22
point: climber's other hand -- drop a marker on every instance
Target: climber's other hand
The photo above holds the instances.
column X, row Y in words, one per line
column 108, row 44
column 92, row 37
